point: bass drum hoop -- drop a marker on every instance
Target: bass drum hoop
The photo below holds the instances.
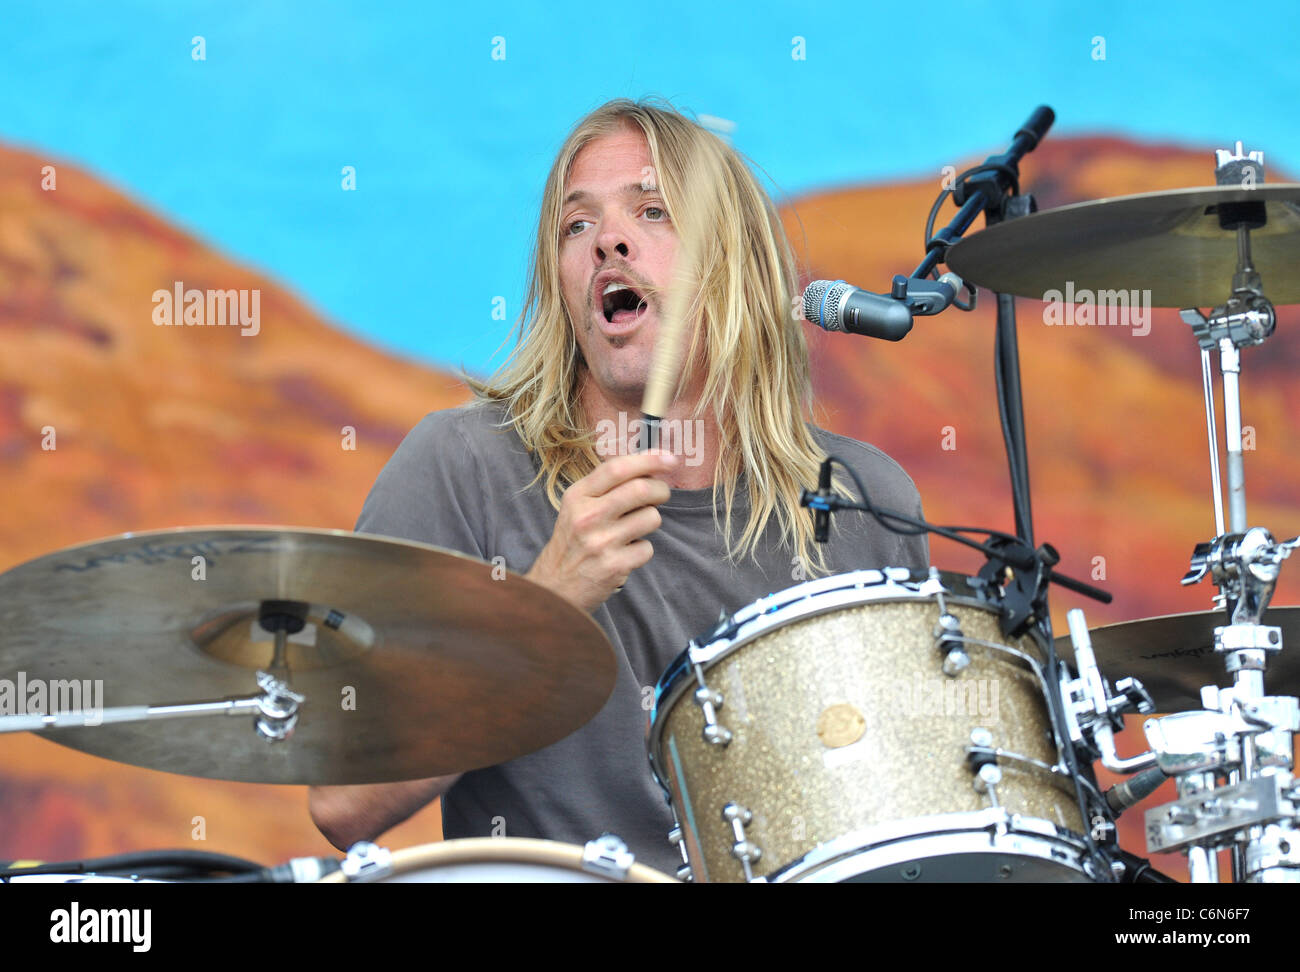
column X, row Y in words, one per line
column 990, row 835
column 539, row 856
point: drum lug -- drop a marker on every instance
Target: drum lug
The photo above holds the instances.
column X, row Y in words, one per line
column 743, row 850
column 983, row 762
column 986, row 780
column 710, row 700
column 950, row 640
column 947, row 633
column 367, row 862
column 678, row 840
column 608, row 856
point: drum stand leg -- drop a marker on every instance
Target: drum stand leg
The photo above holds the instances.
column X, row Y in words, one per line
column 1202, row 865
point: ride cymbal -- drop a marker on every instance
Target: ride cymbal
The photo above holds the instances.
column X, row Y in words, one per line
column 1169, row 243
column 415, row 661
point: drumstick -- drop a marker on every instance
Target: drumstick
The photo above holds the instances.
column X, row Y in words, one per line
column 665, row 362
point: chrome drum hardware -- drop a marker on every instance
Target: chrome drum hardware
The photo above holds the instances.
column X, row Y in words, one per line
column 878, row 727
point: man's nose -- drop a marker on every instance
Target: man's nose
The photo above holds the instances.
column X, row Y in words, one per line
column 611, row 239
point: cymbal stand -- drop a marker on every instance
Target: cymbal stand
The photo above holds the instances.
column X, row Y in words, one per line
column 1242, row 736
column 275, row 709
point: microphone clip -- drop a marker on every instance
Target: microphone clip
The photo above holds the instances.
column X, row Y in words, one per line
column 925, row 297
column 823, row 503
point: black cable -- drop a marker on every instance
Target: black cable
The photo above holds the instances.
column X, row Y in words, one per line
column 991, row 532
column 934, row 211
column 952, row 533
column 1004, row 421
column 929, row 239
column 134, row 862
column 1056, row 705
column 1011, row 410
column 871, row 507
column 177, row 873
column 1011, row 418
column 280, row 874
column 1138, row 870
column 880, row 516
column 970, row 289
column 922, row 526
column 1011, row 415
column 253, row 877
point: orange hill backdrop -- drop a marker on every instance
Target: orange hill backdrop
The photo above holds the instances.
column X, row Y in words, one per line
column 160, row 427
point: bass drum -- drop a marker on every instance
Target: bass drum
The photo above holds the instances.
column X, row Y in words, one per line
column 496, row 860
column 831, row 733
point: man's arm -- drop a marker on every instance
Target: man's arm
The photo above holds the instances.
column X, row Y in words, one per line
column 595, row 545
column 417, row 496
column 347, row 814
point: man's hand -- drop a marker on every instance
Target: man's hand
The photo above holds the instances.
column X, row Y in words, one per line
column 597, row 541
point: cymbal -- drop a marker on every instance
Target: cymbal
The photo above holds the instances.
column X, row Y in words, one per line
column 1173, row 655
column 1169, row 243
column 429, row 664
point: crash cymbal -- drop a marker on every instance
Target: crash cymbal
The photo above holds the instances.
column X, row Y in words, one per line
column 1173, row 656
column 415, row 661
column 1169, row 243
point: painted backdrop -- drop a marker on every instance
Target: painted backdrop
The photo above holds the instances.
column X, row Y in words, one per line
column 373, row 174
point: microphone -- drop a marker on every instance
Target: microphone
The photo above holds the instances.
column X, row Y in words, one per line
column 834, row 305
column 1034, row 129
column 1121, row 796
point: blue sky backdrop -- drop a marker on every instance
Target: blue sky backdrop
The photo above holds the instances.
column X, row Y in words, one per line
column 245, row 149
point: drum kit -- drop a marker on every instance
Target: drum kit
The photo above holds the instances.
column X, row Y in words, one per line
column 882, row 725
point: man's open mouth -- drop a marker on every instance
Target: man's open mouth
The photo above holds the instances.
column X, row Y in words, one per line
column 621, row 303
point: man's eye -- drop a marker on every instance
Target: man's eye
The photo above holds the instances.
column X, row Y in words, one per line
column 663, row 213
column 568, row 230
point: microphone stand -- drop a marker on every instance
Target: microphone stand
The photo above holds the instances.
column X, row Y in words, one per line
column 986, row 191
column 993, row 188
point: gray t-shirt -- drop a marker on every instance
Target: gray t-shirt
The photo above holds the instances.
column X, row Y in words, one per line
column 457, row 480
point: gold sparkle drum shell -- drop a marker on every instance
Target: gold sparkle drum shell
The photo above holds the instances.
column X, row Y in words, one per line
column 815, row 736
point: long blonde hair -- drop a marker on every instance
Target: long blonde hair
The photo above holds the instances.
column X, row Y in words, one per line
column 749, row 342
